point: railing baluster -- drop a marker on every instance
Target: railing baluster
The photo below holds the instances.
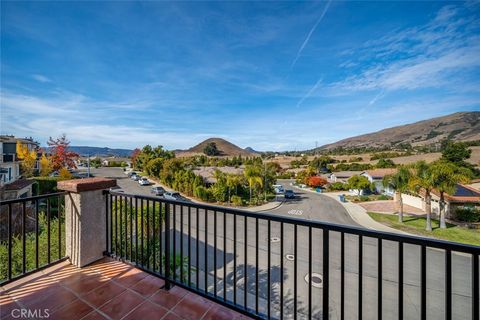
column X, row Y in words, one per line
column 24, row 229
column 36, row 234
column 475, row 288
column 215, row 253
column 48, row 229
column 269, row 235
column 181, row 243
column 131, row 229
column 161, row 216
column 424, row 282
column 400, row 280
column 310, row 249
column 224, row 256
column 125, row 221
column 174, row 239
column 448, row 284
column 189, row 246
column 379, row 279
column 106, row 224
column 234, row 259
column 116, row 226
column 342, row 276
column 295, row 275
column 10, row 241
column 281, row 270
column 111, row 224
column 120, row 212
column 154, row 239
column 167, row 246
column 197, row 249
column 148, row 234
column 360, row 277
column 136, row 231
column 206, row 250
column 256, row 266
column 326, row 273
column 245, row 276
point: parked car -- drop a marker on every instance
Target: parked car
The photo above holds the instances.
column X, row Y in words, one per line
column 173, row 196
column 143, row 181
column 135, row 177
column 157, row 190
column 116, row 189
column 289, row 194
column 278, row 188
column 132, row 173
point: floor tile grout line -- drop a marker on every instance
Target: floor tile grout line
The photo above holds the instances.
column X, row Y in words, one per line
column 83, row 300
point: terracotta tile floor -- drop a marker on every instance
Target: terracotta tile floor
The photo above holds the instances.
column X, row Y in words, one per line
column 107, row 289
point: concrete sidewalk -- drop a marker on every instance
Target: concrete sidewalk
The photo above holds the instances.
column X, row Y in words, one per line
column 360, row 215
column 357, row 213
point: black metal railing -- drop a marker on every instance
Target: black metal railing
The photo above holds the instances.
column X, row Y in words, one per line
column 32, row 235
column 271, row 266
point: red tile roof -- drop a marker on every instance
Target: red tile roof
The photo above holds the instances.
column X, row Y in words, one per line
column 17, row 185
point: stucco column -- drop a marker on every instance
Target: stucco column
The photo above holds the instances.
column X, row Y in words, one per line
column 85, row 218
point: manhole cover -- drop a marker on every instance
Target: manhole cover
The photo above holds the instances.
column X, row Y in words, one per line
column 316, row 280
column 274, row 239
column 290, row 257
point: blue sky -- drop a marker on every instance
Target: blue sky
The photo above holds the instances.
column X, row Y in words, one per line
column 270, row 75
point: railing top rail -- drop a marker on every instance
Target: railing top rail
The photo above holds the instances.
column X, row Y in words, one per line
column 42, row 196
column 409, row 239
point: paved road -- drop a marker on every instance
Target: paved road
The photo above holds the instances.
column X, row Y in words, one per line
column 308, row 206
column 312, row 206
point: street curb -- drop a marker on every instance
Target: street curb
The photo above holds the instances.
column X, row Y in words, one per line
column 280, row 203
column 364, row 220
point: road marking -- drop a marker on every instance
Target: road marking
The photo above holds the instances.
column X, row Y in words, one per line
column 295, row 212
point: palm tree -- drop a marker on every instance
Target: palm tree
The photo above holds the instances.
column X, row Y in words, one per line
column 422, row 180
column 446, row 176
column 254, row 177
column 399, row 181
column 233, row 181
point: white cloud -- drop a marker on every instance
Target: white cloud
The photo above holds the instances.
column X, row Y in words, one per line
column 41, row 78
column 434, row 55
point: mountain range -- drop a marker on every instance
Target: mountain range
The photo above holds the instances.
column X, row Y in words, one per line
column 460, row 126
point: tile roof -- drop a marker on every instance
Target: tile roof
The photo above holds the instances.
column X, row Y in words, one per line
column 380, row 173
column 17, row 185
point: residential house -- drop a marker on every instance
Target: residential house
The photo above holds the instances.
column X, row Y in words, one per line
column 11, row 183
column 376, row 176
column 464, row 196
column 208, row 173
column 341, row 176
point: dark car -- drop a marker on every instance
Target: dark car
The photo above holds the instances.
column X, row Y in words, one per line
column 289, row 194
column 158, row 191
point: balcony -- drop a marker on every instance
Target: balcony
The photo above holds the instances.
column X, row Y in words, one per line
column 107, row 289
column 169, row 258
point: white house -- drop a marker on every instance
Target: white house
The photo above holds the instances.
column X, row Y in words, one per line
column 11, row 184
column 341, row 176
column 376, row 176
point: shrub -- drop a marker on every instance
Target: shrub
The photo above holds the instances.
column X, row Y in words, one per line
column 203, row 193
column 467, row 214
column 383, row 197
column 363, row 198
column 337, row 186
column 237, row 201
column 316, row 181
column 46, row 184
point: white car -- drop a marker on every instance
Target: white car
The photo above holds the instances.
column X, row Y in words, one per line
column 144, row 181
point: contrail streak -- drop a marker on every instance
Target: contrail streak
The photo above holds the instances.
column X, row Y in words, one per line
column 309, row 93
column 305, row 42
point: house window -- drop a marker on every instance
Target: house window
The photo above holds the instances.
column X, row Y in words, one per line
column 9, row 174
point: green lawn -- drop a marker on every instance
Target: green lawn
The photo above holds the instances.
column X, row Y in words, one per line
column 416, row 225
